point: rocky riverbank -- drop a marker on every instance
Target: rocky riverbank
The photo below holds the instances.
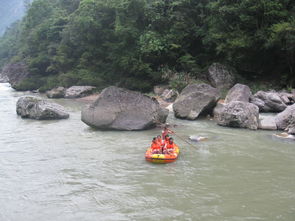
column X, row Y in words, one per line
column 240, row 108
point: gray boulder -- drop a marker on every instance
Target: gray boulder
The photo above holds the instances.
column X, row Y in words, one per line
column 195, row 100
column 238, row 114
column 239, row 92
column 15, row 72
column 169, row 95
column 221, row 76
column 79, row 91
column 286, row 118
column 36, row 108
column 58, row 92
column 287, row 98
column 258, row 102
column 268, row 101
column 267, row 123
column 122, row 109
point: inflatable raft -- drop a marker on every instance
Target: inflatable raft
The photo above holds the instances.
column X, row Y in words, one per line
column 162, row 158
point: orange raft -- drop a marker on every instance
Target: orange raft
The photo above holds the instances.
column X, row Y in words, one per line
column 162, row 158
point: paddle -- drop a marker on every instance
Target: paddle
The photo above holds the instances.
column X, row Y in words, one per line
column 183, row 139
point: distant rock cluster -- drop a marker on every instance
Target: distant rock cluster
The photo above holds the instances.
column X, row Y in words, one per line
column 72, row 92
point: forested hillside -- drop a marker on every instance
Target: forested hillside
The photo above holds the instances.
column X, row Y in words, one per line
column 139, row 43
column 10, row 11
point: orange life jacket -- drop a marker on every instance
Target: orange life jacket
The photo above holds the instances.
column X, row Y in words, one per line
column 160, row 142
column 170, row 146
column 155, row 146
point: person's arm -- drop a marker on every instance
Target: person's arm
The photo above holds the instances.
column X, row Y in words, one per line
column 171, row 131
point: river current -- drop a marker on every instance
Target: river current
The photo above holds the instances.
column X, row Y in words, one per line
column 63, row 170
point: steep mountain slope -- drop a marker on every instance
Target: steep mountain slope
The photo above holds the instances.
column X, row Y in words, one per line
column 10, row 11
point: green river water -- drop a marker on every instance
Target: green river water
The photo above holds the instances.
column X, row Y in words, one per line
column 64, row 170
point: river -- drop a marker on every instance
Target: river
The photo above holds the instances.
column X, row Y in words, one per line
column 64, row 170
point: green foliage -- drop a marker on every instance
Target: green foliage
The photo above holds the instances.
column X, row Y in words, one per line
column 31, row 83
column 140, row 43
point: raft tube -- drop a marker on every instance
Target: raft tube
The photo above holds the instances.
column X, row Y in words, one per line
column 162, row 158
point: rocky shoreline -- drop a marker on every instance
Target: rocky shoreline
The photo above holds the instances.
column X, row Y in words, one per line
column 240, row 108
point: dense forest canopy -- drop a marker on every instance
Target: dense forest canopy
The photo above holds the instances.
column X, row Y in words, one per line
column 139, row 43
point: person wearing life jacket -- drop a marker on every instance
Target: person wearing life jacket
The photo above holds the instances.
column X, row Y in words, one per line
column 169, row 147
column 156, row 148
column 166, row 131
column 166, row 139
column 160, row 141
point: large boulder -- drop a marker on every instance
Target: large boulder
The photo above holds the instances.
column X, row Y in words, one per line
column 195, row 100
column 58, row 92
column 286, row 118
column 15, row 72
column 122, row 109
column 36, row 108
column 267, row 122
column 79, row 91
column 221, row 76
column 238, row 114
column 239, row 92
column 268, row 101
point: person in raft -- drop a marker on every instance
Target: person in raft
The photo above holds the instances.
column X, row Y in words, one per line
column 169, row 146
column 156, row 148
column 160, row 141
column 166, row 139
column 166, row 131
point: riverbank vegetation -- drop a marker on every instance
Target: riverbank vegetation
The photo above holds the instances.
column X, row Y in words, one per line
column 140, row 43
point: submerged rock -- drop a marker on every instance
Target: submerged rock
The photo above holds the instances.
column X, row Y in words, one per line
column 122, row 109
column 285, row 136
column 196, row 138
column 79, row 91
column 195, row 100
column 221, row 76
column 238, row 114
column 36, row 108
column 239, row 92
column 58, row 92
